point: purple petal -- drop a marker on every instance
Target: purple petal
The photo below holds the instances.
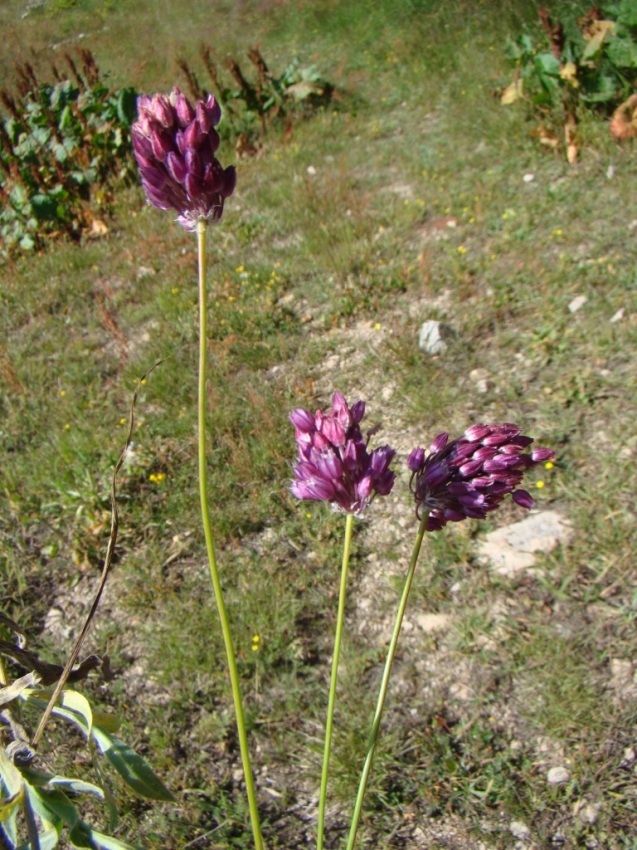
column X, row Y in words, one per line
column 524, row 499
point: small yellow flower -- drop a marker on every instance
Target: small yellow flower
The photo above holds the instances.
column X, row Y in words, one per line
column 143, row 381
column 549, row 464
column 472, row 220
column 67, row 427
column 462, row 249
column 62, row 393
column 123, row 420
column 539, row 485
column 175, row 290
column 308, row 515
column 239, row 269
column 558, row 232
column 255, row 643
column 377, row 326
column 157, row 477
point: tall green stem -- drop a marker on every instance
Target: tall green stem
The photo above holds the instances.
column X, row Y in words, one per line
column 332, row 696
column 214, row 572
column 391, row 652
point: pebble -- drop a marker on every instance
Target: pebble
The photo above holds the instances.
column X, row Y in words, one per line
column 512, row 548
column 577, row 303
column 519, row 830
column 618, row 316
column 558, row 776
column 432, row 336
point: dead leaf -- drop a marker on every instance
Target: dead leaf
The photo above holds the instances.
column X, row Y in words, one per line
column 511, row 93
column 98, row 229
column 623, row 124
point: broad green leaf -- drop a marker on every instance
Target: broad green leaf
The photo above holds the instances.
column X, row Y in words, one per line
column 546, row 63
column 40, row 779
column 10, row 775
column 72, row 706
column 628, row 12
column 77, row 702
column 127, row 105
column 134, row 770
column 623, row 52
column 53, row 806
column 605, row 90
column 44, row 207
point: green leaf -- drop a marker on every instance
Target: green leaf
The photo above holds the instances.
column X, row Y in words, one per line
column 546, row 63
column 53, row 806
column 628, row 13
column 77, row 702
column 11, row 776
column 623, row 52
column 82, row 835
column 605, row 90
column 44, row 207
column 127, row 106
column 134, row 770
column 72, row 706
column 39, row 778
column 10, row 805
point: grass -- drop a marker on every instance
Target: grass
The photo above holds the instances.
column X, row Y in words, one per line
column 303, row 268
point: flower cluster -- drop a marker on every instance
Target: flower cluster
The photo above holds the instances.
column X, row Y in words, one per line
column 470, row 476
column 175, row 147
column 334, row 464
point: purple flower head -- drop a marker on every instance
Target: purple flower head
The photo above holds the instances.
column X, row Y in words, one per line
column 470, row 476
column 175, row 150
column 334, row 464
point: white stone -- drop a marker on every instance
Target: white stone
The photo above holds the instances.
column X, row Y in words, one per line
column 311, row 170
column 519, row 830
column 589, row 812
column 529, row 178
column 512, row 549
column 577, row 303
column 558, row 776
column 618, row 316
column 432, row 336
column 431, row 622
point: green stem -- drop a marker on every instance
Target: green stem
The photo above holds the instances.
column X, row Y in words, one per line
column 210, row 548
column 362, row 786
column 349, row 523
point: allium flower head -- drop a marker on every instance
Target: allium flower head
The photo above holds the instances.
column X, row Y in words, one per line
column 175, row 147
column 334, row 464
column 470, row 476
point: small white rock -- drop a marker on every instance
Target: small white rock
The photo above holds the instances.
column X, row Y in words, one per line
column 432, row 335
column 590, row 812
column 618, row 316
column 610, row 172
column 558, row 776
column 311, row 170
column 519, row 830
column 145, row 271
column 577, row 303
column 529, row 178
column 629, row 757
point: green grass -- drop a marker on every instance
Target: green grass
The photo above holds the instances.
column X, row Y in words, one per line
column 302, row 268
